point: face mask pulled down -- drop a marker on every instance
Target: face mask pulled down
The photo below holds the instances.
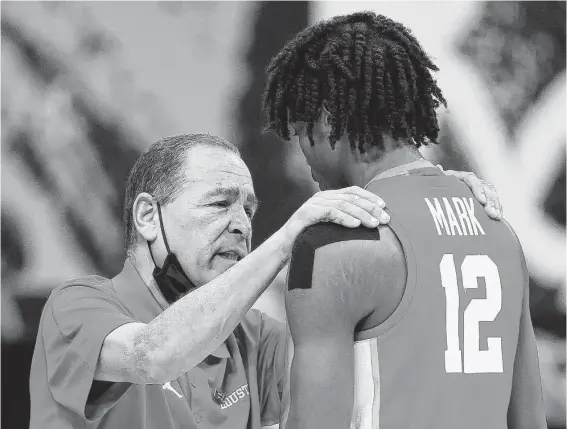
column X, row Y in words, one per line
column 170, row 278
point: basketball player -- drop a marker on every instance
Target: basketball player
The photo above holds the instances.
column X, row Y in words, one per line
column 425, row 322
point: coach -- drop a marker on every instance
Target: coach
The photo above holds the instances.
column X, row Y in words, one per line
column 171, row 342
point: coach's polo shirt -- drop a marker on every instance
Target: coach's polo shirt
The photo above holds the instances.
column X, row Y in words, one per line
column 247, row 369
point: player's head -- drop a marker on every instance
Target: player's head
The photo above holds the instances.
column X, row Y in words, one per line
column 206, row 203
column 359, row 81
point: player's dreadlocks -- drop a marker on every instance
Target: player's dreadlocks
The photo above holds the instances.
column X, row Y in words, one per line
column 369, row 71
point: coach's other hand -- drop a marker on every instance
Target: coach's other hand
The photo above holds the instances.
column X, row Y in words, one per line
column 484, row 192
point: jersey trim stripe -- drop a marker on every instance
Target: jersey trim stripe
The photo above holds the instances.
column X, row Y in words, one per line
column 366, row 410
column 376, row 378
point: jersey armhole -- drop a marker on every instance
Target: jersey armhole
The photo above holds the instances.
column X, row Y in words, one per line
column 409, row 292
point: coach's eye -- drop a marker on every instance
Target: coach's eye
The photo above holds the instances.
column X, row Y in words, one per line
column 220, row 204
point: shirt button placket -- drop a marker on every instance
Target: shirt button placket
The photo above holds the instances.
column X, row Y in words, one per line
column 193, row 382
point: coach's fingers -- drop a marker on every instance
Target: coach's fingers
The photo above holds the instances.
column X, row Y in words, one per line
column 470, row 179
column 365, row 200
column 366, row 195
column 484, row 192
column 360, row 192
column 493, row 207
column 344, row 204
column 356, row 206
column 341, row 218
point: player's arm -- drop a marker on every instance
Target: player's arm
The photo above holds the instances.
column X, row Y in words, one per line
column 526, row 409
column 323, row 305
column 322, row 373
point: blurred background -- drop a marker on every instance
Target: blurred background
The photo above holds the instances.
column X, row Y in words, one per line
column 87, row 86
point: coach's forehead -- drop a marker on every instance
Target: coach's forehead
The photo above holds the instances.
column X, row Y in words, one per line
column 211, row 164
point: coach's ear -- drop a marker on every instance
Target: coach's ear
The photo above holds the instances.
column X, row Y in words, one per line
column 145, row 216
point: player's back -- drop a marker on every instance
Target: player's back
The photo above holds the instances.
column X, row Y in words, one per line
column 445, row 357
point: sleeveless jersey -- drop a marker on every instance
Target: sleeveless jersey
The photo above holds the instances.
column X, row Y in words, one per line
column 444, row 359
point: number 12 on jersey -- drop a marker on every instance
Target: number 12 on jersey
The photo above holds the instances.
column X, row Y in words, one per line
column 473, row 359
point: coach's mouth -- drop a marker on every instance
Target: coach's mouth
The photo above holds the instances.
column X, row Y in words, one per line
column 232, row 255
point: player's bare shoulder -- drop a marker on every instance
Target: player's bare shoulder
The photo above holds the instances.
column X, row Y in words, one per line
column 356, row 263
column 324, row 247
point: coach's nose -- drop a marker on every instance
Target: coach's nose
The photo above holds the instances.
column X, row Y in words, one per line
column 241, row 223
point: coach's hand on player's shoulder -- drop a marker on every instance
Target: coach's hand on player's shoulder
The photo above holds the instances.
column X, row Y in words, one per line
column 350, row 207
column 484, row 192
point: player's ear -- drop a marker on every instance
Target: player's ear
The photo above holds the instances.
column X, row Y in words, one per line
column 325, row 115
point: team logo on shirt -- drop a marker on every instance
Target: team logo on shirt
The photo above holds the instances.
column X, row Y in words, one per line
column 234, row 397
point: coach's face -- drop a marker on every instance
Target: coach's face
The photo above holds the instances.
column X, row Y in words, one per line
column 208, row 226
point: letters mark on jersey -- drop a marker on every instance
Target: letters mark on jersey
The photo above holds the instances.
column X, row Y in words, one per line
column 235, row 396
column 455, row 216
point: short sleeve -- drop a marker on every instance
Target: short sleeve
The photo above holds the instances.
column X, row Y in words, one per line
column 76, row 320
column 271, row 365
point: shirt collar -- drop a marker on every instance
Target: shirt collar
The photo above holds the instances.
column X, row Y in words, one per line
column 138, row 298
column 403, row 170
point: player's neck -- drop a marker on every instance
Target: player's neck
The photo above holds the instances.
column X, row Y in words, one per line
column 362, row 172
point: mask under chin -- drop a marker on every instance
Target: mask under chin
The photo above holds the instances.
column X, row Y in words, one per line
column 172, row 280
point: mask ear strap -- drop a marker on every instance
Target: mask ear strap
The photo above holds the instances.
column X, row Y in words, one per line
column 162, row 229
column 151, row 253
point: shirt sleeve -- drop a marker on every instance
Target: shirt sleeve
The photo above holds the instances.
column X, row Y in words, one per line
column 77, row 318
column 271, row 361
